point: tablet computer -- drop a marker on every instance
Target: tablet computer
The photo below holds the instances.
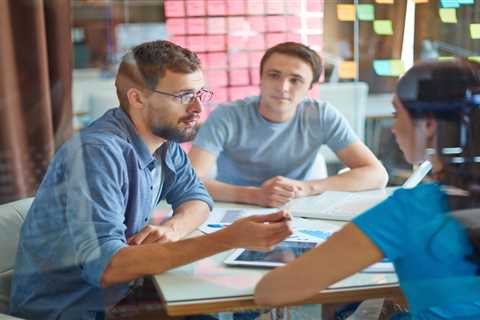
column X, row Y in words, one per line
column 281, row 254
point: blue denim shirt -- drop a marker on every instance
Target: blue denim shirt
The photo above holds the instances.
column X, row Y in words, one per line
column 100, row 189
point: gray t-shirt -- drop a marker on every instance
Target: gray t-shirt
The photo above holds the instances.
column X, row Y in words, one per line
column 251, row 149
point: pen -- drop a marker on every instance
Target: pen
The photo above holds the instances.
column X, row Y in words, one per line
column 215, row 225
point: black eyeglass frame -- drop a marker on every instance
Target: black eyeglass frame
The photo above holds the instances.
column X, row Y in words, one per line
column 203, row 95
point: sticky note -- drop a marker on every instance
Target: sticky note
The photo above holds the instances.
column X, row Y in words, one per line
column 383, row 27
column 448, row 15
column 195, row 7
column 196, row 26
column 256, row 42
column 295, row 37
column 174, row 9
column 255, row 7
column 274, row 7
column 449, row 4
column 294, row 23
column 217, row 60
column 475, row 30
column 366, row 12
column 274, row 38
column 216, row 7
column 347, row 70
column 196, row 43
column 315, row 5
column 256, row 24
column 254, row 58
column 276, row 23
column 445, row 58
column 217, row 78
column 236, row 43
column 237, row 24
column 235, row 7
column 220, row 95
column 176, row 26
column 216, row 43
column 384, row 1
column 466, row 1
column 238, row 60
column 216, row 25
column 474, row 58
column 255, row 76
column 388, row 68
column 420, row 1
column 238, row 77
column 345, row 12
column 315, row 40
column 314, row 23
column 179, row 40
column 293, row 7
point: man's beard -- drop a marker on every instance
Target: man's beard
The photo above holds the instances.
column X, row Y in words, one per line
column 175, row 134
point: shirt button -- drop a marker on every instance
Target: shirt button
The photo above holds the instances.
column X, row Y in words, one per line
column 146, row 219
column 151, row 187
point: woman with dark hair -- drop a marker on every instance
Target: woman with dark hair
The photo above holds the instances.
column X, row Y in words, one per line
column 431, row 232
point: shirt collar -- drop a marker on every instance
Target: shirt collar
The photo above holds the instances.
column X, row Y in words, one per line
column 145, row 158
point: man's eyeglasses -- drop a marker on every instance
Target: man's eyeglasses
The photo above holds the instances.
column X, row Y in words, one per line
column 203, row 95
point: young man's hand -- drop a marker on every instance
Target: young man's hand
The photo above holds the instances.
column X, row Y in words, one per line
column 277, row 191
column 153, row 234
column 260, row 232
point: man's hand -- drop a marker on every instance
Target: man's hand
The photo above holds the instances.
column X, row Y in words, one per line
column 277, row 191
column 260, row 232
column 153, row 234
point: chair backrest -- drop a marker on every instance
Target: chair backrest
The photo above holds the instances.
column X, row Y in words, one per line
column 350, row 98
column 12, row 215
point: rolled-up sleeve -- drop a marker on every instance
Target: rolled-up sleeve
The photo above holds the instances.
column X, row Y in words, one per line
column 95, row 206
column 184, row 186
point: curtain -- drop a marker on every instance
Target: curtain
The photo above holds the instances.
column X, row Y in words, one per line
column 35, row 90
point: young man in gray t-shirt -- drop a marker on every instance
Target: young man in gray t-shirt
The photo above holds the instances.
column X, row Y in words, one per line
column 265, row 147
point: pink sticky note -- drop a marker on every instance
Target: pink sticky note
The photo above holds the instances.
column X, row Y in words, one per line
column 276, row 23
column 294, row 23
column 174, row 8
column 179, row 40
column 220, row 95
column 195, row 7
column 255, row 76
column 315, row 23
column 315, row 40
column 256, row 23
column 293, row 7
column 237, row 42
column 274, row 7
column 216, row 7
column 238, row 60
column 256, row 42
column 237, row 24
column 217, row 60
column 196, row 26
column 254, row 58
column 252, row 91
column 216, row 25
column 275, row 38
column 294, row 37
column 237, row 93
column 216, row 43
column 235, row 7
column 196, row 43
column 255, row 7
column 238, row 77
column 176, row 26
column 315, row 6
column 217, row 78
column 203, row 59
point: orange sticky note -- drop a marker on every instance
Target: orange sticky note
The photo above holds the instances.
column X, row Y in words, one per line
column 347, row 70
column 420, row 1
column 346, row 12
column 384, row 1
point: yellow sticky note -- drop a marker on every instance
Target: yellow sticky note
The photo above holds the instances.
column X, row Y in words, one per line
column 475, row 30
column 445, row 58
column 383, row 27
column 448, row 15
column 347, row 70
column 346, row 12
column 474, row 58
column 384, row 1
column 420, row 1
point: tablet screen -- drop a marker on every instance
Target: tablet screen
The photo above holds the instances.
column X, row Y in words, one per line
column 284, row 252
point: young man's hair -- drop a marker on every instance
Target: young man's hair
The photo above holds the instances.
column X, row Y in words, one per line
column 297, row 50
column 145, row 64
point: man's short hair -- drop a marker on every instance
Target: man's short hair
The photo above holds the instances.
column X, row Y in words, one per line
column 297, row 50
column 145, row 64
